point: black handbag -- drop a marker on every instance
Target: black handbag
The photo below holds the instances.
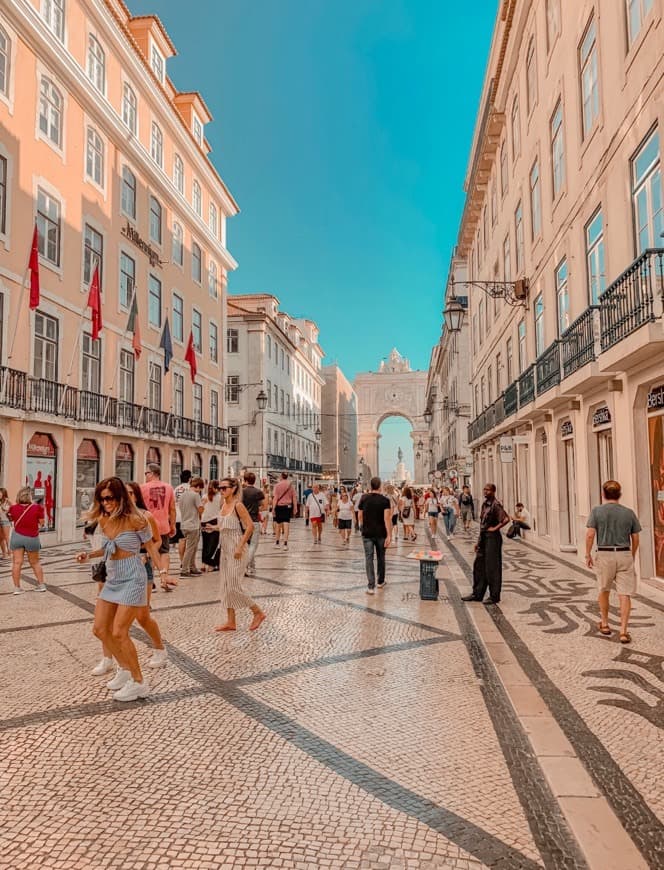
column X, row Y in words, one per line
column 99, row 572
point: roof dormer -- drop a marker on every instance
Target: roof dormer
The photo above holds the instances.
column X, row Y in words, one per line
column 195, row 114
column 154, row 43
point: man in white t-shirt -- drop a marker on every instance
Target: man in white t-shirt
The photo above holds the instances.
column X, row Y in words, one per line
column 317, row 507
column 178, row 537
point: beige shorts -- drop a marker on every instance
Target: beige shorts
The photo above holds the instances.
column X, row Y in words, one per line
column 616, row 569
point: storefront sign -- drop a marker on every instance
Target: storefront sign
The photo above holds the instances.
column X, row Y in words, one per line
column 506, row 449
column 520, row 439
column 40, row 474
column 567, row 429
column 602, row 417
column 656, row 398
column 132, row 234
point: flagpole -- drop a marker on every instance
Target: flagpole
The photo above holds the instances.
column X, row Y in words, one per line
column 18, row 313
column 116, row 372
column 145, row 397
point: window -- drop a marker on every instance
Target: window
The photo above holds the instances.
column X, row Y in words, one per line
column 522, row 345
column 212, row 279
column 197, row 402
column 531, row 76
column 154, row 301
column 647, row 194
column 494, row 205
column 516, row 129
column 178, row 173
column 268, row 346
column 214, row 342
column 5, row 58
column 48, row 227
column 552, row 22
column 157, row 63
column 96, row 64
column 50, row 111
column 269, row 394
column 127, row 361
column 177, row 245
column 155, row 220
column 637, row 10
column 281, row 402
column 499, row 374
column 178, row 394
column 518, row 229
column 178, row 317
column 485, row 228
column 129, row 108
column 535, row 201
column 539, row 325
column 196, row 329
column 509, row 363
column 128, row 193
column 233, row 342
column 483, row 391
column 53, row 12
column 507, row 259
column 127, row 279
column 196, row 263
column 197, row 198
column 214, row 411
column 275, row 403
column 91, row 365
column 154, row 387
column 93, row 254
column 3, row 194
column 562, row 293
column 504, row 171
column 234, row 440
column 214, row 219
column 198, row 130
column 595, row 257
column 45, row 363
column 157, row 145
column 489, row 384
column 481, row 320
column 233, row 389
column 589, row 78
column 94, row 157
column 557, row 149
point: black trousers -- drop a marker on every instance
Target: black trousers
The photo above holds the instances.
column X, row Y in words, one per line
column 488, row 566
column 210, row 555
column 377, row 545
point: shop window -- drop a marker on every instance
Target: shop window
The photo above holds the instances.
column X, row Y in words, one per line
column 87, row 477
column 41, row 474
column 153, row 455
column 177, row 465
column 214, row 468
column 124, row 461
column 197, row 465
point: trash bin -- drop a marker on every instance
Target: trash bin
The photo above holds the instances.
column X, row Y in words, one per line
column 428, row 580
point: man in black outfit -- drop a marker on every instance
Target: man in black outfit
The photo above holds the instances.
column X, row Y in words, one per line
column 488, row 565
column 375, row 515
column 254, row 501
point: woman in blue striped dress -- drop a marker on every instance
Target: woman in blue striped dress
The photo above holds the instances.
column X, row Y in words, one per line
column 123, row 529
column 235, row 530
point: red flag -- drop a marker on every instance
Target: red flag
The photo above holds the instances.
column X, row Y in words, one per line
column 190, row 356
column 94, row 302
column 34, row 270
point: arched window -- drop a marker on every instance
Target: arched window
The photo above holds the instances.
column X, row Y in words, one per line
column 178, row 173
column 129, row 108
column 157, row 144
column 54, row 15
column 96, row 64
column 94, row 157
column 197, row 198
column 5, row 58
column 50, row 111
column 214, row 468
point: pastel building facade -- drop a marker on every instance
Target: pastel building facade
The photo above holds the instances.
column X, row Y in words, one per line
column 564, row 190
column 100, row 150
column 338, row 426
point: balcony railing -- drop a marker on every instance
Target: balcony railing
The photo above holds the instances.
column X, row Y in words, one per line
column 17, row 390
column 527, row 386
column 313, row 467
column 577, row 343
column 296, row 465
column 511, row 399
column 547, row 368
column 628, row 303
column 278, row 462
column 499, row 410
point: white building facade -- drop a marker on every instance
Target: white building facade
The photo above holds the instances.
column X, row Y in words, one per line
column 267, row 351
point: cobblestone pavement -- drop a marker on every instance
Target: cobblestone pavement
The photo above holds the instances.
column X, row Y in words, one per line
column 348, row 732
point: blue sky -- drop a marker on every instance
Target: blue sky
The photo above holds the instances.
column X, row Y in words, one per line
column 342, row 127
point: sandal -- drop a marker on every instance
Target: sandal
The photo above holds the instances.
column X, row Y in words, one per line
column 626, row 637
column 603, row 629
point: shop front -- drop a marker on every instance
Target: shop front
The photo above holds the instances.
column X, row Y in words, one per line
column 655, row 410
column 87, row 477
column 124, row 461
column 601, row 450
column 197, row 465
column 177, row 466
column 41, row 474
column 214, row 467
column 568, row 487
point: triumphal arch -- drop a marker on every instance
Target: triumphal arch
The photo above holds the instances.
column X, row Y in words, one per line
column 394, row 390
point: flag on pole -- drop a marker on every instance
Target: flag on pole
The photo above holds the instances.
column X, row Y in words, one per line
column 94, row 303
column 133, row 326
column 167, row 345
column 190, row 357
column 34, row 270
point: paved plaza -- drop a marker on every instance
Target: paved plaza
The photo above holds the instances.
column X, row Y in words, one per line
column 350, row 731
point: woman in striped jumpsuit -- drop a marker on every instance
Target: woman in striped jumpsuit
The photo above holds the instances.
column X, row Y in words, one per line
column 235, row 531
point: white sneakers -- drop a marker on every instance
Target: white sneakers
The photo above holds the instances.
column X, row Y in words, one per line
column 121, row 677
column 371, row 590
column 41, row 587
column 132, row 691
column 18, row 591
column 104, row 667
column 159, row 659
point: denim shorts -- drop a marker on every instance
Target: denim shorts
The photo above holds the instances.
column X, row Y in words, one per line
column 18, row 542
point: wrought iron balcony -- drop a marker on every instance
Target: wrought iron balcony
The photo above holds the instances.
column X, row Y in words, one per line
column 527, row 386
column 629, row 302
column 547, row 368
column 295, row 465
column 499, row 409
column 278, row 462
column 577, row 343
column 313, row 467
column 511, row 398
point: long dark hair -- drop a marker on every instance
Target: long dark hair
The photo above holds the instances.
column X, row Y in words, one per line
column 138, row 495
column 125, row 506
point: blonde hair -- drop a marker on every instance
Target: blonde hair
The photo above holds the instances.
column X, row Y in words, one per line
column 24, row 495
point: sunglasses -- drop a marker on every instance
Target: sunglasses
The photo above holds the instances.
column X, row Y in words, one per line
column 225, row 487
column 104, row 498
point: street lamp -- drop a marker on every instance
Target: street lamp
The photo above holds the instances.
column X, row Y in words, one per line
column 453, row 314
column 261, row 402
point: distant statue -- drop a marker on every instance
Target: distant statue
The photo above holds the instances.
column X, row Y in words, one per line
column 395, row 363
column 400, row 455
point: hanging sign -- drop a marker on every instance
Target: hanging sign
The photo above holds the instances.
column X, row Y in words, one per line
column 656, row 399
column 602, row 417
column 506, row 448
column 567, row 429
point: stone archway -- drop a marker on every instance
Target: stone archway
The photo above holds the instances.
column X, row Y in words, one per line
column 395, row 390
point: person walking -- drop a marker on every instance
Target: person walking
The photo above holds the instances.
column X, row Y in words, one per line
column 449, row 508
column 357, row 496
column 191, row 509
column 317, row 508
column 210, row 527
column 183, row 486
column 27, row 518
column 375, row 512
column 407, row 512
column 432, row 509
column 488, row 564
column 124, row 594
column 466, row 507
column 284, row 502
column 265, row 510
column 5, row 522
column 344, row 516
column 254, row 501
column 616, row 529
column 236, row 528
column 160, row 500
column 393, row 495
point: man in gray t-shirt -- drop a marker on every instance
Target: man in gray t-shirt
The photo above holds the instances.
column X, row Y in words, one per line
column 190, row 524
column 616, row 529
